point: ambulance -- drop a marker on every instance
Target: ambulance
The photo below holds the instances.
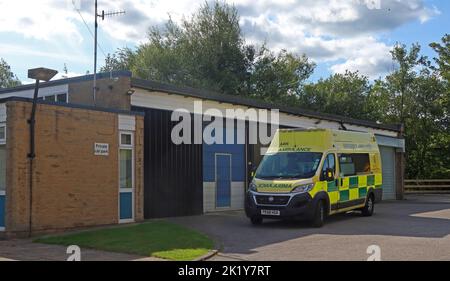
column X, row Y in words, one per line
column 311, row 174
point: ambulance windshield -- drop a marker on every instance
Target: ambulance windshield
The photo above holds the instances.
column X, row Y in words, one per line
column 289, row 165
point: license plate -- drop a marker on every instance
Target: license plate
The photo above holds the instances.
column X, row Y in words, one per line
column 270, row 212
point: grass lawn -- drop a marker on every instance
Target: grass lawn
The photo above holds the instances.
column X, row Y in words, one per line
column 158, row 239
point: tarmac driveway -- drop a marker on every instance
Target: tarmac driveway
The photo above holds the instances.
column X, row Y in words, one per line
column 414, row 229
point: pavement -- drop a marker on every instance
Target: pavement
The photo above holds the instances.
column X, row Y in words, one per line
column 417, row 228
column 26, row 250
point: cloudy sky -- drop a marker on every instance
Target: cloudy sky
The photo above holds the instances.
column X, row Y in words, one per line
column 336, row 34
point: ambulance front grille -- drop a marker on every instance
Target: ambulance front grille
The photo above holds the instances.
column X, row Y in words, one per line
column 271, row 200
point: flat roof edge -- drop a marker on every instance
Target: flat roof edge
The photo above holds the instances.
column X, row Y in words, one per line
column 75, row 106
column 209, row 95
column 76, row 79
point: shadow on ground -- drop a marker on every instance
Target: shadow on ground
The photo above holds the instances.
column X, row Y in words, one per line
column 395, row 219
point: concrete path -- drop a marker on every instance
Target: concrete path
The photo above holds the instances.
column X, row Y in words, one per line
column 414, row 229
column 25, row 250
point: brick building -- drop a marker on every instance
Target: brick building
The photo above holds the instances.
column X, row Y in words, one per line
column 73, row 187
column 76, row 180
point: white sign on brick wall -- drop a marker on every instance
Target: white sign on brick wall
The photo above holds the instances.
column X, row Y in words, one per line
column 101, row 149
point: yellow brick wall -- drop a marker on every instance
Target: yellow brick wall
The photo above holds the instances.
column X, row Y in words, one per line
column 111, row 93
column 71, row 186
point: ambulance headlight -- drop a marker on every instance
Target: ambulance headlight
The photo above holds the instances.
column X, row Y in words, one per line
column 303, row 188
column 252, row 187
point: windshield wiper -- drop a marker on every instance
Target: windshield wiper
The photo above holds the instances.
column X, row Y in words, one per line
column 281, row 177
column 268, row 177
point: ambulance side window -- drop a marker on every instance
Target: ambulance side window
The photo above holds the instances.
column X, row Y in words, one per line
column 354, row 164
column 329, row 162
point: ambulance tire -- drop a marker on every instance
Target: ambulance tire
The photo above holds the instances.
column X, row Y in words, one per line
column 318, row 218
column 256, row 220
column 368, row 209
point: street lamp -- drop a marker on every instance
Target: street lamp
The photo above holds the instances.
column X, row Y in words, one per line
column 41, row 73
column 38, row 74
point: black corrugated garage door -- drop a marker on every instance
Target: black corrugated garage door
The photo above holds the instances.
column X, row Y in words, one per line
column 173, row 174
column 388, row 167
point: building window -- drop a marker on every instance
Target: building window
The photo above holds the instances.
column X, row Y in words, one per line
column 125, row 139
column 126, row 167
column 2, row 168
column 2, row 134
column 126, row 160
column 63, row 97
column 49, row 98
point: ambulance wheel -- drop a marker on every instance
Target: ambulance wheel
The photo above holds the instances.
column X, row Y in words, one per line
column 368, row 209
column 256, row 220
column 318, row 218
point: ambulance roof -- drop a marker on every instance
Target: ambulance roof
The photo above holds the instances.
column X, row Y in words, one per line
column 321, row 140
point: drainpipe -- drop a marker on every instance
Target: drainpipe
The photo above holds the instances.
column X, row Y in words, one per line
column 32, row 154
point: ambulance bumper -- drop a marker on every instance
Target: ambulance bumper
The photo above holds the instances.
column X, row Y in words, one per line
column 279, row 206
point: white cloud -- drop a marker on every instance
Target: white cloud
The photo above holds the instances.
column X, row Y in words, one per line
column 342, row 33
column 19, row 50
column 43, row 19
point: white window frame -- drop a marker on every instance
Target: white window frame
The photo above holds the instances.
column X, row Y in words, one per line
column 55, row 96
column 67, row 97
column 126, row 190
column 3, row 141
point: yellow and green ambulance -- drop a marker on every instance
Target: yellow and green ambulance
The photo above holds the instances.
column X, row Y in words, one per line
column 315, row 173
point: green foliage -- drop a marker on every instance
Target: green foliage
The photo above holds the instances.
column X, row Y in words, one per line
column 443, row 59
column 342, row 94
column 278, row 78
column 121, row 60
column 208, row 51
column 415, row 96
column 7, row 77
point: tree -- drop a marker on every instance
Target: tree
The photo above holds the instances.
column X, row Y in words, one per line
column 428, row 134
column 278, row 78
column 342, row 94
column 121, row 60
column 401, row 80
column 206, row 50
column 415, row 96
column 443, row 59
column 7, row 78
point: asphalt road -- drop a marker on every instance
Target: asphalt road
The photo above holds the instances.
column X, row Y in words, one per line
column 414, row 229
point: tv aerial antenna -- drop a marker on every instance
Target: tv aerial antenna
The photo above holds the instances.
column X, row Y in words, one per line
column 102, row 15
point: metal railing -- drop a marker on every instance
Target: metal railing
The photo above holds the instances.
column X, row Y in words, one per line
column 427, row 186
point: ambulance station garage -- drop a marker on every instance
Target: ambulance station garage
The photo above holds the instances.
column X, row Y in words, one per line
column 215, row 177
column 192, row 179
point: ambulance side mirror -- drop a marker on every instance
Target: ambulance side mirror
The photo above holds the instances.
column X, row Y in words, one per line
column 252, row 169
column 328, row 175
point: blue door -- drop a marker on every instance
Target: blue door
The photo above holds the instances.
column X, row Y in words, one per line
column 2, row 211
column 223, row 180
column 126, row 205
